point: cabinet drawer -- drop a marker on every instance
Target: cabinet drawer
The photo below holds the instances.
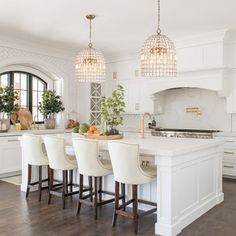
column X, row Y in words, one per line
column 231, row 143
column 229, row 169
column 14, row 140
column 230, row 159
column 229, row 166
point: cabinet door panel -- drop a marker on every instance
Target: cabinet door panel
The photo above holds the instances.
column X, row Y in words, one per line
column 10, row 158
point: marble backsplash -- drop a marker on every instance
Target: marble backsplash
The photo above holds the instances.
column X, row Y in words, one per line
column 172, row 106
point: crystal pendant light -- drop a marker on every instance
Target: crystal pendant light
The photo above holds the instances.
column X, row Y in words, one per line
column 158, row 55
column 90, row 63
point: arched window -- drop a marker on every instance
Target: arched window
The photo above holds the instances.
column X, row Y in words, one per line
column 30, row 89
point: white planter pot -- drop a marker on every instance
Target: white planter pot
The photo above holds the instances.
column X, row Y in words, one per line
column 50, row 123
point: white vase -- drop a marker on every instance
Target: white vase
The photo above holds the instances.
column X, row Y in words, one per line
column 50, row 123
column 5, row 122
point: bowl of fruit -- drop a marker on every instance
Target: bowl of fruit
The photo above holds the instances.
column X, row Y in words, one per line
column 85, row 129
column 93, row 130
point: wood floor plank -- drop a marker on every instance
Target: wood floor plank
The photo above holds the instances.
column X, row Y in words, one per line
column 22, row 217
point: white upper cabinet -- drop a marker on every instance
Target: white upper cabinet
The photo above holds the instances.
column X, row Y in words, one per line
column 205, row 61
column 137, row 101
column 200, row 57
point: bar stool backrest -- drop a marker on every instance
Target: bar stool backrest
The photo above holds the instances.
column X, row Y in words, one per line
column 32, row 147
column 55, row 147
column 87, row 154
column 125, row 162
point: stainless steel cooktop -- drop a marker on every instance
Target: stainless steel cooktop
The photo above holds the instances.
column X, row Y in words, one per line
column 184, row 133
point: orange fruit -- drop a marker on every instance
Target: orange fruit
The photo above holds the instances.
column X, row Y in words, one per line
column 92, row 128
column 96, row 132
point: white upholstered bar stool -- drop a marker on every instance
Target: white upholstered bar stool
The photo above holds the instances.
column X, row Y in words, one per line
column 58, row 160
column 127, row 170
column 32, row 146
column 87, row 155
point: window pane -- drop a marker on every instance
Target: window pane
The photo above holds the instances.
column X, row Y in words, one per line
column 23, row 80
column 18, row 101
column 40, row 94
column 17, row 80
column 35, row 83
column 40, row 117
column 4, row 80
column 40, row 86
column 35, row 98
column 35, row 112
column 23, row 98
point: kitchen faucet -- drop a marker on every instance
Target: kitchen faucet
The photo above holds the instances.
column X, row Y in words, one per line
column 142, row 123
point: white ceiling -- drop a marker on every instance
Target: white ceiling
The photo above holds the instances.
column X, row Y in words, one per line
column 120, row 26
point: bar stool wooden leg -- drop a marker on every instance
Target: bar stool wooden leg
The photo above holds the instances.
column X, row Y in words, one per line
column 48, row 168
column 117, row 185
column 81, row 183
column 135, row 207
column 100, row 189
column 29, row 180
column 40, row 183
column 95, row 198
column 90, row 187
column 66, row 177
column 71, row 180
column 50, row 184
column 64, row 187
column 123, row 195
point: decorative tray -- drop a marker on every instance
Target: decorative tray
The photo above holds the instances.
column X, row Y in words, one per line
column 101, row 137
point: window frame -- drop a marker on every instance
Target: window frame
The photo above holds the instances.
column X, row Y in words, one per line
column 30, row 86
column 95, row 115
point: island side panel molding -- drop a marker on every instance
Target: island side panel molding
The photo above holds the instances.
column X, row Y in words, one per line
column 187, row 186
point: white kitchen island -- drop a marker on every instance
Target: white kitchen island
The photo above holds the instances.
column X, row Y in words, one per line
column 189, row 177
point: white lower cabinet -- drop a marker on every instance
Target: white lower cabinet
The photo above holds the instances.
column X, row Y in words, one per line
column 10, row 156
column 229, row 158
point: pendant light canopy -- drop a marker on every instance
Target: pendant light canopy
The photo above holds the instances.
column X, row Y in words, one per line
column 90, row 63
column 158, row 55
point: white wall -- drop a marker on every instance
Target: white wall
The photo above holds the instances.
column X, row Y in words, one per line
column 174, row 104
column 50, row 63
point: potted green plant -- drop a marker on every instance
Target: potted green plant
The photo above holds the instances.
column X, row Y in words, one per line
column 8, row 105
column 51, row 104
column 111, row 111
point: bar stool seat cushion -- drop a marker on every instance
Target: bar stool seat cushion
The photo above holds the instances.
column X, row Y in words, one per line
column 72, row 162
column 150, row 171
column 126, row 166
column 106, row 164
column 87, row 155
column 33, row 149
column 58, row 160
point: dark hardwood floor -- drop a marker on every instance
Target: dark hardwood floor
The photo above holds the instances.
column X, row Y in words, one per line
column 19, row 216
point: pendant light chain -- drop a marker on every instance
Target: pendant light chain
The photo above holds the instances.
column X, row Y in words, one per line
column 90, row 33
column 159, row 17
column 158, row 54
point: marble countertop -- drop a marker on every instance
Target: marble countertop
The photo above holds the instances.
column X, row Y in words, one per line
column 225, row 134
column 162, row 145
column 34, row 131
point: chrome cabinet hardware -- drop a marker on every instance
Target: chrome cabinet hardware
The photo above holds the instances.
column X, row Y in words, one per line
column 228, row 152
column 226, row 166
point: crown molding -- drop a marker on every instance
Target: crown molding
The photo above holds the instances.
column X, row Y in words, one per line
column 37, row 47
